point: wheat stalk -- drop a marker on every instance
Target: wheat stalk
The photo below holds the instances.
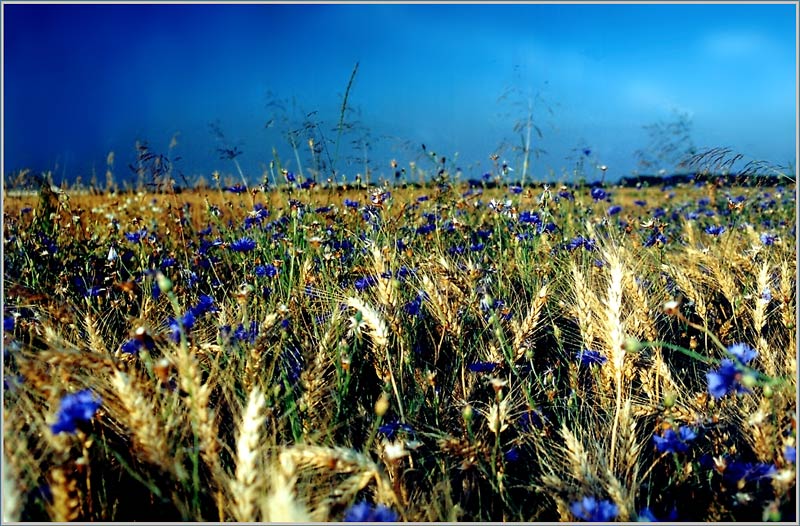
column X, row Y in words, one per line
column 687, row 286
column 12, row 498
column 315, row 379
column 643, row 324
column 255, row 357
column 65, row 505
column 787, row 286
column 138, row 415
column 525, row 329
column 585, row 306
column 96, row 343
column 281, row 504
column 615, row 340
column 244, row 488
column 621, row 496
column 340, row 460
column 380, row 340
column 580, row 463
column 387, row 287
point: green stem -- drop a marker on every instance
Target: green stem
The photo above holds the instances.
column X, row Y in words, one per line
column 340, row 127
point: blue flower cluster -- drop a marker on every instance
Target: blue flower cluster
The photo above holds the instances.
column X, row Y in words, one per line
column 244, row 244
column 391, row 428
column 364, row 512
column 727, row 378
column 76, row 408
column 580, row 241
column 598, row 194
column 483, row 367
column 187, row 321
column 414, row 307
column 672, row 442
column 591, row 510
column 589, row 357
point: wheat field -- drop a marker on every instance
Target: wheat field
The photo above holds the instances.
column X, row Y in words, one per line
column 439, row 352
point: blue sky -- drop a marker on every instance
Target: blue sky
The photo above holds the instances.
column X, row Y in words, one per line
column 83, row 80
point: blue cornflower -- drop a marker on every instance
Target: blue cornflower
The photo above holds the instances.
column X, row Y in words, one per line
column 350, row 203
column 580, row 241
column 656, row 238
column 187, row 321
column 363, row 512
column 290, row 177
column 390, row 428
column 403, row 272
column 613, row 210
column 291, row 362
column 590, row 357
column 592, row 510
column 235, row 189
column 742, row 352
column 155, row 290
column 598, row 194
column 308, row 184
column 532, row 419
column 768, row 239
column 512, row 455
column 575, row 243
column 566, row 194
column 244, row 244
column 414, row 307
column 426, row 228
column 131, row 346
column 673, row 442
column 515, row 189
column 640, row 202
column 529, row 217
column 76, row 408
column 790, row 454
column 648, row 516
column 248, row 335
column 269, row 271
column 365, row 282
column 8, row 323
column 135, row 237
column 725, row 379
column 715, row 230
column 737, row 471
column 204, row 304
column 482, row 367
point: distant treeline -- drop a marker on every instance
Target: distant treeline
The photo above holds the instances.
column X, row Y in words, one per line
column 747, row 180
column 663, row 180
column 727, row 179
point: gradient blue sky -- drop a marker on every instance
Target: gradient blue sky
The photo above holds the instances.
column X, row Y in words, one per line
column 83, row 80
